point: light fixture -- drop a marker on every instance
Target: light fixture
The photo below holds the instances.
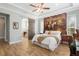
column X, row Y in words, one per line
column 39, row 7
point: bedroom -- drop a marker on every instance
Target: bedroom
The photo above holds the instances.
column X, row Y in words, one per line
column 59, row 20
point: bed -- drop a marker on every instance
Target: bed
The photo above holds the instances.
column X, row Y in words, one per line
column 49, row 40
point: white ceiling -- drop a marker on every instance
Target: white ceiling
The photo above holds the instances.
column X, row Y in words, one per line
column 52, row 6
column 26, row 8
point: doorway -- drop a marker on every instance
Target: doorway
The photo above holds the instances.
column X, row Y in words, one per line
column 24, row 27
column 3, row 28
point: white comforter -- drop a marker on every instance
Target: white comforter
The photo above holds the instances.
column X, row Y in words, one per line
column 50, row 41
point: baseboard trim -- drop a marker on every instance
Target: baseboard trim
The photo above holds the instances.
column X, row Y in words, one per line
column 15, row 42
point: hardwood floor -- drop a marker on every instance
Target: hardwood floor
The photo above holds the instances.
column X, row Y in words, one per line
column 26, row 48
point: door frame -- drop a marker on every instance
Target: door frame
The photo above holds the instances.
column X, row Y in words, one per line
column 5, row 27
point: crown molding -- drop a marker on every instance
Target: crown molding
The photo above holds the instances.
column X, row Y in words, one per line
column 65, row 10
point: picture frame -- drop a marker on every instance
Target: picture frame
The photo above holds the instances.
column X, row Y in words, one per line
column 15, row 25
column 56, row 23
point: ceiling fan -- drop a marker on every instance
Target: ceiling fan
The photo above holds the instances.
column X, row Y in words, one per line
column 39, row 7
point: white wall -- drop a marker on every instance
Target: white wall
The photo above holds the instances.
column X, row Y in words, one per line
column 39, row 25
column 16, row 15
column 36, row 26
column 15, row 35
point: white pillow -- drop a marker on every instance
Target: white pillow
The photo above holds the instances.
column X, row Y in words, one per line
column 55, row 32
column 46, row 32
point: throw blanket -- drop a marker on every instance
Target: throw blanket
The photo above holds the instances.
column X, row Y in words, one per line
column 41, row 38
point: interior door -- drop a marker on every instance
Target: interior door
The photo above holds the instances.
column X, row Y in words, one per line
column 2, row 27
column 31, row 28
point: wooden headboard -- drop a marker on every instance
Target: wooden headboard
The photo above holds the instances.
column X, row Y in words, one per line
column 56, row 23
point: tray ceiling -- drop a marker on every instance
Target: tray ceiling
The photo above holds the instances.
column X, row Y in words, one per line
column 25, row 8
column 52, row 6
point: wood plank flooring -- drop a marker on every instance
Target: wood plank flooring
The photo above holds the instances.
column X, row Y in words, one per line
column 26, row 48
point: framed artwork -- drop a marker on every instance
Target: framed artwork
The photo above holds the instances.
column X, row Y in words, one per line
column 15, row 25
column 56, row 23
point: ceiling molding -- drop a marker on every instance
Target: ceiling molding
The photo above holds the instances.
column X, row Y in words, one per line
column 21, row 8
column 10, row 8
column 23, row 12
column 59, row 11
column 32, row 13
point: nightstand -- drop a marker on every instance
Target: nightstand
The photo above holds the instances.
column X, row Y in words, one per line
column 66, row 38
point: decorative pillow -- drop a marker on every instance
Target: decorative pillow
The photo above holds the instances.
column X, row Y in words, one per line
column 46, row 32
column 53, row 32
column 49, row 32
